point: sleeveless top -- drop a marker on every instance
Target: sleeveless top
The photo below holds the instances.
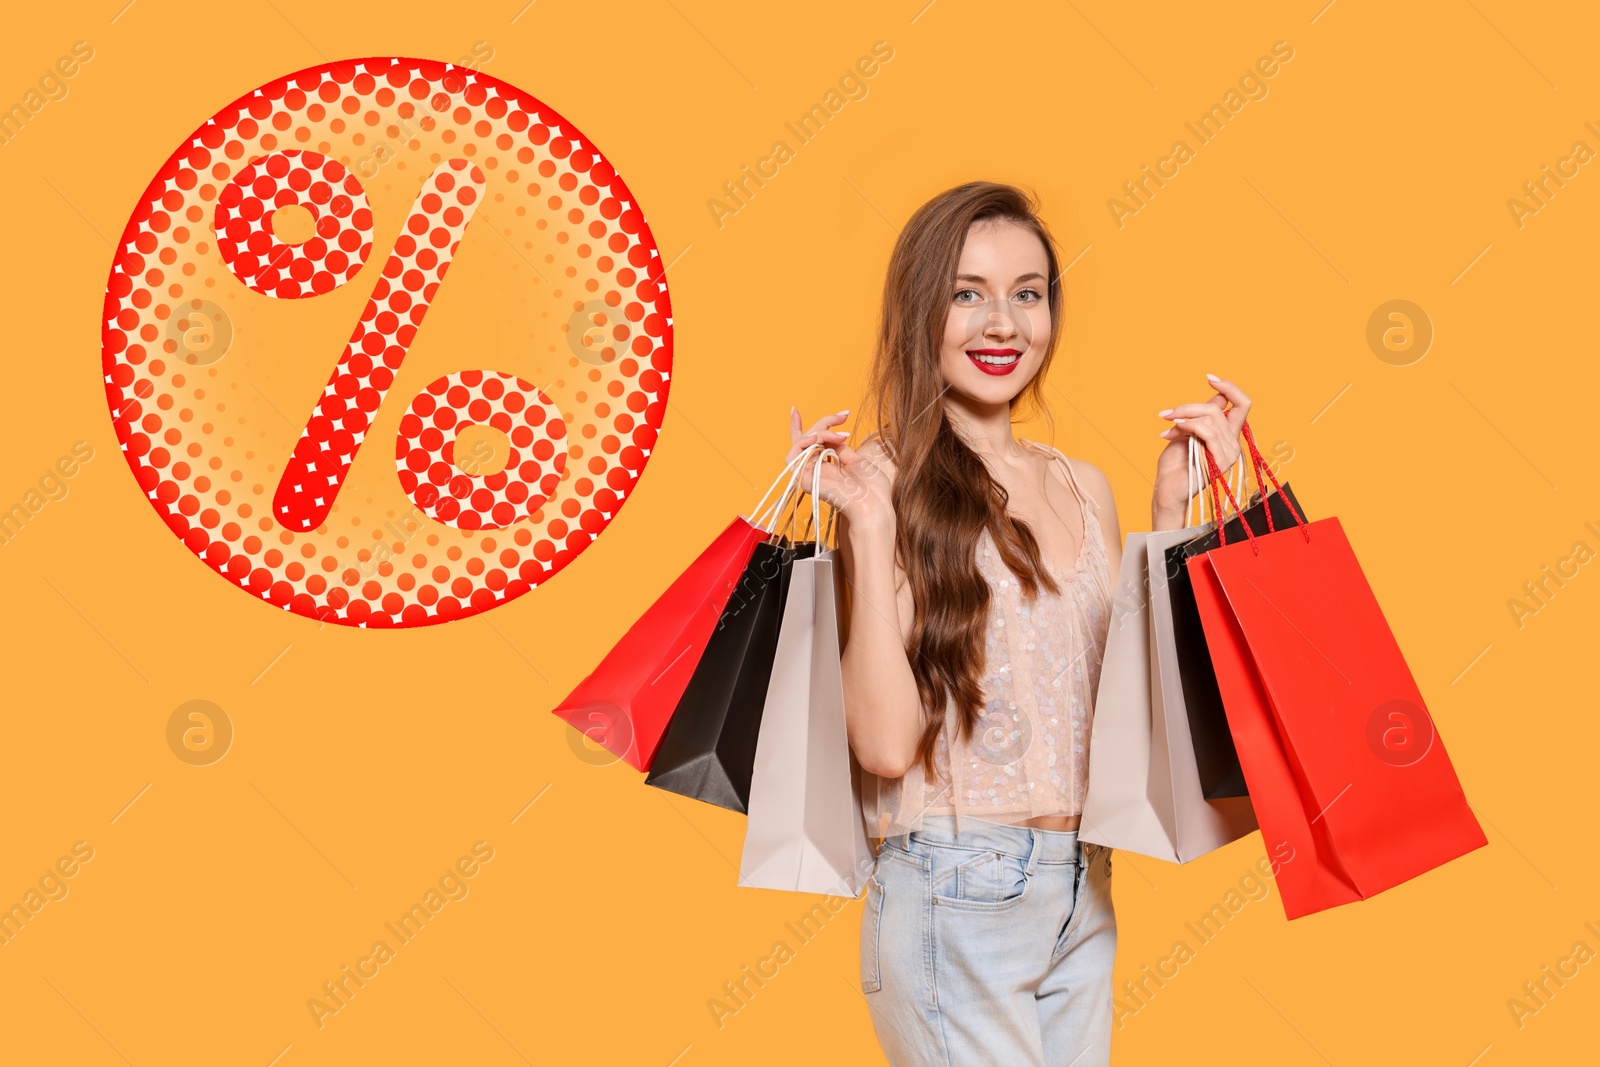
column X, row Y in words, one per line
column 1028, row 755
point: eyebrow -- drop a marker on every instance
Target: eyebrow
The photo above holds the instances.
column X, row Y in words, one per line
column 1032, row 275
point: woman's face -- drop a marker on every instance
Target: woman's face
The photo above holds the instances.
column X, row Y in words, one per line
column 998, row 324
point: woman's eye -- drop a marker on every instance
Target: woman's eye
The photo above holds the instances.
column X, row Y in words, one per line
column 1031, row 294
column 965, row 293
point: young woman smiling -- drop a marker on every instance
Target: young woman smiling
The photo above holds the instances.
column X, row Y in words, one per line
column 979, row 567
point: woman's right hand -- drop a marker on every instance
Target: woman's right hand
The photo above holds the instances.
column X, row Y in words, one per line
column 860, row 485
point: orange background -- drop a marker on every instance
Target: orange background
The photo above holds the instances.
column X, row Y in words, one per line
column 364, row 765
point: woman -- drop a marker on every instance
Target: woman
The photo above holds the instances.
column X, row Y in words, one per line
column 979, row 574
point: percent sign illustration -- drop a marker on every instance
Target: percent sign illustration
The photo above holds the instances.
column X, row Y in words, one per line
column 437, row 538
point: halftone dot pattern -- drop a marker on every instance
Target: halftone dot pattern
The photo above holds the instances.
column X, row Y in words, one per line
column 422, row 253
column 208, row 448
column 425, row 449
column 341, row 219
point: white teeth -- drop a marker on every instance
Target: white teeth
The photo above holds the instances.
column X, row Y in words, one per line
column 998, row 361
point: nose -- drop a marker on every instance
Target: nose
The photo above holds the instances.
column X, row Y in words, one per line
column 999, row 327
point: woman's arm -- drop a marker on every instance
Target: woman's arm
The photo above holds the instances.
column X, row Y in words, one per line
column 882, row 707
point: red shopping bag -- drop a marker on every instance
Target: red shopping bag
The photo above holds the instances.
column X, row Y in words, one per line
column 1341, row 757
column 627, row 701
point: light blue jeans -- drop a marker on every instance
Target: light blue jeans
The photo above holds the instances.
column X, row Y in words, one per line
column 994, row 947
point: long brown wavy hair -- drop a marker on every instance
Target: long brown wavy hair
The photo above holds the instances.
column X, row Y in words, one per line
column 944, row 495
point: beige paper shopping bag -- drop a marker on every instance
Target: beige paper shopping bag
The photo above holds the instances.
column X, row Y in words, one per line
column 1144, row 791
column 805, row 831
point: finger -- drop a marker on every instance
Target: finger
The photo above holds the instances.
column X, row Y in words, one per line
column 800, row 444
column 829, row 420
column 1226, row 434
column 1237, row 415
column 1197, row 413
column 1230, row 390
column 1190, row 411
column 825, row 437
column 803, row 478
column 1218, row 438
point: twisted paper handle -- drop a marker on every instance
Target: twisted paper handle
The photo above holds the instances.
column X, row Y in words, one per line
column 1259, row 466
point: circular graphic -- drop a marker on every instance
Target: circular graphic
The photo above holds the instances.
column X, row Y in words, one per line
column 1399, row 732
column 1399, row 332
column 305, row 231
column 199, row 732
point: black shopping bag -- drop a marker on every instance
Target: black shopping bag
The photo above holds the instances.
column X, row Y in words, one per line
column 709, row 749
column 1220, row 774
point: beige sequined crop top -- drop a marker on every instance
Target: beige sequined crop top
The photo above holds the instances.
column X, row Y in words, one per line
column 1029, row 753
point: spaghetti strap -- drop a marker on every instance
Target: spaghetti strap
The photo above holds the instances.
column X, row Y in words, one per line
column 1083, row 498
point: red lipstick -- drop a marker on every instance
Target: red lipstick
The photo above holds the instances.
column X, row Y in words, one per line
column 1005, row 360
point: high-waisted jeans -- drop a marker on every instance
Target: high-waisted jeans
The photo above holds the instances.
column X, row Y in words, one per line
column 994, row 947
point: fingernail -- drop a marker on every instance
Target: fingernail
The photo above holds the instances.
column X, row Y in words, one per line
column 1213, row 377
column 1164, row 414
column 846, row 411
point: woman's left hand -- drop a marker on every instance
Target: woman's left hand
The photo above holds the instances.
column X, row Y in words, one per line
column 1217, row 426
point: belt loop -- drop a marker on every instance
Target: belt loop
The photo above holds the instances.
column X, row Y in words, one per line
column 1036, row 841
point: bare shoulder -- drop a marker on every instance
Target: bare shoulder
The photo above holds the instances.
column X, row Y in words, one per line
column 1094, row 482
column 1090, row 478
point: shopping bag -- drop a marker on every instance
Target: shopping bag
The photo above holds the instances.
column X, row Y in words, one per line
column 805, row 831
column 1143, row 791
column 626, row 701
column 1343, row 761
column 709, row 747
column 1220, row 775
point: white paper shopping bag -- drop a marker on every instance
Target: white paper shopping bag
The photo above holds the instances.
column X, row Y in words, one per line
column 1144, row 790
column 805, row 830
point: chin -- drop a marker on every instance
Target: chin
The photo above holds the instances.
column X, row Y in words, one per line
column 989, row 393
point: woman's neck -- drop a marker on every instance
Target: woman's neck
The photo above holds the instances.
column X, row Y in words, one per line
column 987, row 431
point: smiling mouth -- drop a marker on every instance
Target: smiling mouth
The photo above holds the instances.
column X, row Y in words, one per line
column 995, row 360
